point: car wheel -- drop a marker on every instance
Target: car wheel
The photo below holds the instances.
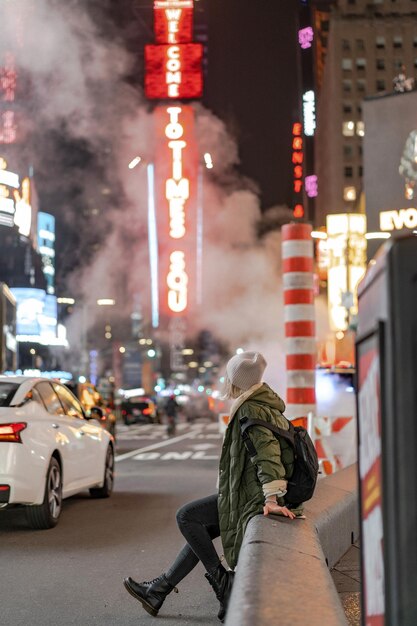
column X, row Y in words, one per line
column 107, row 488
column 46, row 515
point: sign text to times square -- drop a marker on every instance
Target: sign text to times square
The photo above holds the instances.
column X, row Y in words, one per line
column 174, row 64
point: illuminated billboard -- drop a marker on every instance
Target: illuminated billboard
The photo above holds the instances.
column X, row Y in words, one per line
column 36, row 318
column 173, row 22
column 174, row 71
column 9, row 183
column 46, row 248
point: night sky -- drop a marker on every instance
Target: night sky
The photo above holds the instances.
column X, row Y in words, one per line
column 252, row 86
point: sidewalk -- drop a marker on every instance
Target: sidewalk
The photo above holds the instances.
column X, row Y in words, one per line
column 346, row 576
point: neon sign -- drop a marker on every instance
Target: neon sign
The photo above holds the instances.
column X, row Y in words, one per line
column 8, row 80
column 311, row 185
column 297, row 160
column 305, row 37
column 174, row 71
column 309, row 113
column 397, row 220
column 177, row 281
column 173, row 23
column 177, row 187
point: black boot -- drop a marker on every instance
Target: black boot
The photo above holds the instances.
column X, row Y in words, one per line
column 151, row 594
column 221, row 580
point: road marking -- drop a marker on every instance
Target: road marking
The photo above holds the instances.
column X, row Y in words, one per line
column 176, row 456
column 155, row 446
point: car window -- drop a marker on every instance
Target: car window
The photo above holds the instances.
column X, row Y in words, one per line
column 50, row 399
column 71, row 405
column 7, row 391
column 36, row 397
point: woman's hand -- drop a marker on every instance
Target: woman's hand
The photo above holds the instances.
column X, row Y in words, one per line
column 275, row 508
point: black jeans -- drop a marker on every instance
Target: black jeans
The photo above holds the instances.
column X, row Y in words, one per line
column 198, row 521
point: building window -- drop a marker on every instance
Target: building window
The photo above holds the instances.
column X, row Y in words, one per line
column 360, row 63
column 347, row 86
column 351, row 1
column 397, row 42
column 415, row 62
column 380, row 85
column 348, row 128
column 347, row 106
column 347, row 151
column 415, row 42
column 361, row 85
column 378, row 1
column 349, row 171
column 380, row 42
column 360, row 44
column 349, row 194
column 360, row 129
column 346, row 64
column 398, row 64
column 345, row 45
column 360, row 150
column 359, row 109
column 380, row 64
column 360, row 171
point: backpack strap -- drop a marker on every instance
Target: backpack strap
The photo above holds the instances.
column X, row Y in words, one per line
column 246, row 423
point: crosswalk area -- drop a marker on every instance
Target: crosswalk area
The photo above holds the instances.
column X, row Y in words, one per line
column 151, row 442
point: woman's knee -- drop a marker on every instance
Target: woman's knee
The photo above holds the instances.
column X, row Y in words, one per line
column 182, row 515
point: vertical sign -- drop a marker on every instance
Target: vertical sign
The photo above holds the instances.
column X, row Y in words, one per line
column 370, row 472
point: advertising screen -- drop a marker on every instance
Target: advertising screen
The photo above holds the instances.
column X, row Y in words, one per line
column 36, row 314
column 46, row 247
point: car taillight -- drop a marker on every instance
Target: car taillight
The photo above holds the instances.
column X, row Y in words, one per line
column 11, row 432
column 147, row 411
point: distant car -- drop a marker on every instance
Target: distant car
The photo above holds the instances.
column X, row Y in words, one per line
column 91, row 400
column 139, row 409
column 49, row 449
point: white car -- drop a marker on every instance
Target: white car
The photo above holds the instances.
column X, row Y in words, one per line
column 49, row 450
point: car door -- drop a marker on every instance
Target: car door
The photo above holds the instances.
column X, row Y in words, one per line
column 92, row 435
column 68, row 435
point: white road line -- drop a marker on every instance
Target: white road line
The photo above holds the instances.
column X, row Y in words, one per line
column 155, row 446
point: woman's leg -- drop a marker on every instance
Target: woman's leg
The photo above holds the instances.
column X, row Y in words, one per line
column 198, row 521
column 185, row 561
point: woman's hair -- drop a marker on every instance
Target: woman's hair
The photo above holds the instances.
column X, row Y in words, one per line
column 230, row 391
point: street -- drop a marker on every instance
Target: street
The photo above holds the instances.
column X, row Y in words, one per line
column 73, row 574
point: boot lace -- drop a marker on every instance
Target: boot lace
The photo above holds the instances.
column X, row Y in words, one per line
column 149, row 583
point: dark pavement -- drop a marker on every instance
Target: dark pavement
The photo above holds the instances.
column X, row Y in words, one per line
column 346, row 576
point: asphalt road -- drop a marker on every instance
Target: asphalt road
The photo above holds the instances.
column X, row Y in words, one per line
column 73, row 573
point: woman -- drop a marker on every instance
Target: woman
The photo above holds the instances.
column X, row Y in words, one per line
column 247, row 487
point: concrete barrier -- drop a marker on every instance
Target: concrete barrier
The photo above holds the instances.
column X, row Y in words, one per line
column 283, row 573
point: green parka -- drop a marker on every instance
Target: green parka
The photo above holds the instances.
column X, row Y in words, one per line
column 240, row 477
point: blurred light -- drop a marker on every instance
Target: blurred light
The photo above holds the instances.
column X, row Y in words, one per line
column 111, row 379
column 377, row 235
column 202, row 370
column 193, row 364
column 349, row 193
column 107, row 335
column 208, row 161
column 142, row 342
column 65, row 300
column 177, row 392
column 82, row 379
column 188, row 351
column 134, row 162
column 200, row 388
column 106, row 302
column 129, row 393
column 32, row 351
column 153, row 245
column 158, row 388
column 340, row 334
column 122, row 349
column 151, row 353
column 208, row 364
column 318, row 234
column 208, row 392
column 221, row 379
column 149, row 342
column 240, row 351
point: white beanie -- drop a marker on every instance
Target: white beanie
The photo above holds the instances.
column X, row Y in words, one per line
column 246, row 369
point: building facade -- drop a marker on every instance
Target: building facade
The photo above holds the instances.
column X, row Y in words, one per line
column 369, row 43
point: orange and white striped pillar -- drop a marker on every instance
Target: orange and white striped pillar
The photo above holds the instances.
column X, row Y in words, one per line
column 299, row 316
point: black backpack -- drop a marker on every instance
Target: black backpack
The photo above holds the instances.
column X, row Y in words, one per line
column 300, row 487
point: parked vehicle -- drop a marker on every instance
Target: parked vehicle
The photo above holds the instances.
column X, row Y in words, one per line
column 139, row 409
column 49, row 449
column 91, row 399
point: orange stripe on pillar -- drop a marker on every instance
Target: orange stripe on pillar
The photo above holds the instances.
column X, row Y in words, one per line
column 298, row 296
column 295, row 231
column 300, row 329
column 301, row 361
column 298, row 264
column 301, row 395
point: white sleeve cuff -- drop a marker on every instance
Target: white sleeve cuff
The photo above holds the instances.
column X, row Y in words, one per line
column 275, row 488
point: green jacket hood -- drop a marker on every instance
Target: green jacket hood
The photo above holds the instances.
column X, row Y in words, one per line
column 266, row 395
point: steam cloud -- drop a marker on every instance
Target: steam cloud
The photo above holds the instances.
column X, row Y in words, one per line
column 78, row 77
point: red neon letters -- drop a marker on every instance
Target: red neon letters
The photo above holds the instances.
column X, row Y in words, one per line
column 174, row 71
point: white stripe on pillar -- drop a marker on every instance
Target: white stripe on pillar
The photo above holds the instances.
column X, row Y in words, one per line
column 298, row 280
column 298, row 410
column 304, row 379
column 299, row 313
column 297, row 248
column 300, row 345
